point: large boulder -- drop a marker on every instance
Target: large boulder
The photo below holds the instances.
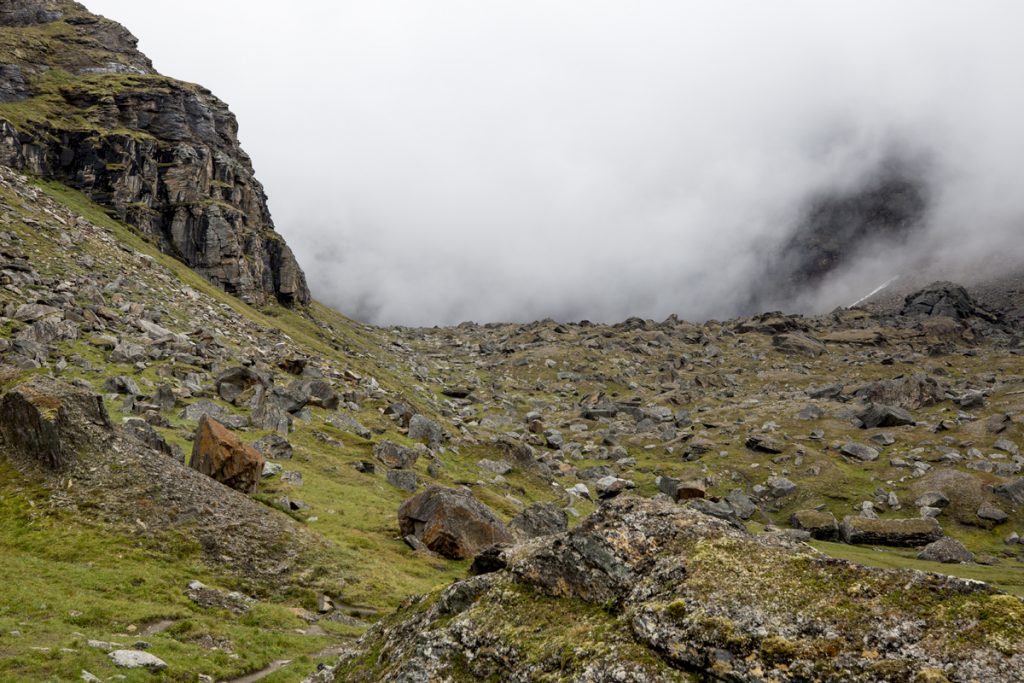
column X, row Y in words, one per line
column 268, row 414
column 274, row 447
column 944, row 299
column 909, row 393
column 47, row 421
column 316, row 392
column 676, row 595
column 895, row 532
column 451, row 522
column 1013, row 491
column 218, row 453
column 234, row 384
column 947, row 550
column 878, row 415
column 821, row 525
column 424, row 429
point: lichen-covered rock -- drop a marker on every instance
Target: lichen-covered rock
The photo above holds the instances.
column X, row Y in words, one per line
column 451, row 522
column 136, row 659
column 218, row 453
column 859, row 451
column 910, row 393
column 46, row 421
column 422, row 428
column 1013, row 491
column 896, row 532
column 947, row 550
column 648, row 590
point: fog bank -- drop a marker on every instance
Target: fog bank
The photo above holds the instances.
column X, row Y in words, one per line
column 437, row 162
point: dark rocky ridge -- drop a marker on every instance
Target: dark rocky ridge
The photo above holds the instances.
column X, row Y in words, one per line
column 883, row 210
column 84, row 107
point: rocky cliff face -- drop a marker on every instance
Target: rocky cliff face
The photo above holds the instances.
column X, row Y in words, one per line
column 80, row 104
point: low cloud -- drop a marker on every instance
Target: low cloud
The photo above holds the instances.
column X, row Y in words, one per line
column 446, row 161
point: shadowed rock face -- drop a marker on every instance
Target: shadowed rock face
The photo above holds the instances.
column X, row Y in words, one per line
column 162, row 154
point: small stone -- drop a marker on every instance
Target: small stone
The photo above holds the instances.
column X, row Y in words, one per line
column 609, row 487
column 859, row 451
column 134, row 659
column 991, row 513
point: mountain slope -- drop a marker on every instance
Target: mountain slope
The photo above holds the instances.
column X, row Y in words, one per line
column 710, row 455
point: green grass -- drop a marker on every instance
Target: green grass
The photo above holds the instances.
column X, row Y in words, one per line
column 1006, row 576
column 69, row 581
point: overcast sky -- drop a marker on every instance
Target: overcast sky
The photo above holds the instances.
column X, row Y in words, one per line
column 433, row 162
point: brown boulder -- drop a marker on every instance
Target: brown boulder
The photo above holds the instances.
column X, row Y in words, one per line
column 451, row 522
column 218, row 453
column 47, row 421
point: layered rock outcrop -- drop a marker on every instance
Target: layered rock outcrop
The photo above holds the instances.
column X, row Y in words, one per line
column 647, row 590
column 83, row 106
